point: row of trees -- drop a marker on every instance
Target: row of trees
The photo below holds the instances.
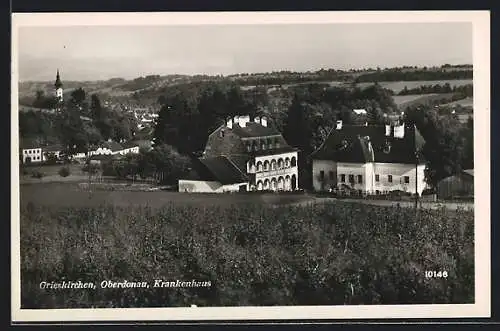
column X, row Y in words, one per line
column 391, row 75
column 186, row 119
column 464, row 90
column 163, row 162
column 449, row 144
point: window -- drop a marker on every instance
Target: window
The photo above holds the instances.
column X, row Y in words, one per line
column 321, row 174
column 407, row 179
column 331, row 175
column 342, row 178
column 249, row 147
column 377, row 192
column 389, row 178
column 351, row 179
column 360, row 179
column 377, row 178
column 222, row 133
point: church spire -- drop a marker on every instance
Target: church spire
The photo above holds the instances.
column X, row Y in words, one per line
column 58, row 83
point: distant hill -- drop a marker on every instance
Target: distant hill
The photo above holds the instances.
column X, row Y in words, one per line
column 147, row 89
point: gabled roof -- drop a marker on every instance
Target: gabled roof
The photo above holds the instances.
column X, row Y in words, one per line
column 469, row 172
column 53, row 148
column 271, row 151
column 130, row 144
column 220, row 169
column 253, row 129
column 361, row 144
column 113, row 146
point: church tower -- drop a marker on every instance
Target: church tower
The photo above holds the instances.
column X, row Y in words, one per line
column 58, row 87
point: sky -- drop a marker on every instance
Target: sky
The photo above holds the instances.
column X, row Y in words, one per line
column 103, row 52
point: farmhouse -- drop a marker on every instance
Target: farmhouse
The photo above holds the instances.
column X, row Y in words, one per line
column 31, row 153
column 459, row 185
column 370, row 159
column 36, row 153
column 243, row 155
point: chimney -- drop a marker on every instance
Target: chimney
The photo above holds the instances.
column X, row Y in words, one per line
column 263, row 121
column 387, row 130
column 399, row 131
column 339, row 125
column 244, row 120
column 229, row 123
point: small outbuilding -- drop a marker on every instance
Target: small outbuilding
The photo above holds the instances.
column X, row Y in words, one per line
column 460, row 185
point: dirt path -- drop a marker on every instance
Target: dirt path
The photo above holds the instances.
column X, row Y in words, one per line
column 403, row 204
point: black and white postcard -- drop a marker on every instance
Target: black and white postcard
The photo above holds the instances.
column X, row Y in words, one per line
column 227, row 166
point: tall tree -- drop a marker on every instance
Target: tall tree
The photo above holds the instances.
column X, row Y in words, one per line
column 96, row 110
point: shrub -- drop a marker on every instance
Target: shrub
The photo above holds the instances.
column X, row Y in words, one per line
column 64, row 172
column 37, row 174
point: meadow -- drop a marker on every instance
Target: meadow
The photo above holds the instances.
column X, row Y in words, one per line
column 255, row 250
column 396, row 87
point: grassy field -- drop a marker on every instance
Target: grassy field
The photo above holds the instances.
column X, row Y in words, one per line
column 398, row 86
column 70, row 194
column 254, row 249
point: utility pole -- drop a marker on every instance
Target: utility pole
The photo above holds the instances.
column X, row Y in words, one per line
column 416, row 165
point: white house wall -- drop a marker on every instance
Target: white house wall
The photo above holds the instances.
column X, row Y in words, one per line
column 200, row 186
column 35, row 155
column 326, row 166
column 354, row 169
column 278, row 178
column 398, row 172
column 368, row 171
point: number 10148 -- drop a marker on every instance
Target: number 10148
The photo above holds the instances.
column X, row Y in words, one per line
column 436, row 274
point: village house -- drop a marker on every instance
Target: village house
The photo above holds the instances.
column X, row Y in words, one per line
column 242, row 155
column 370, row 159
column 31, row 154
column 36, row 153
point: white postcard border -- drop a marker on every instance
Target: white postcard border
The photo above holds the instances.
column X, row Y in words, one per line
column 481, row 60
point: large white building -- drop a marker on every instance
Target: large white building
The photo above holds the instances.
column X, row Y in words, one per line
column 244, row 155
column 370, row 159
column 114, row 148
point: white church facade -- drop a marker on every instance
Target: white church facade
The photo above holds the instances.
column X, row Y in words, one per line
column 370, row 160
column 244, row 154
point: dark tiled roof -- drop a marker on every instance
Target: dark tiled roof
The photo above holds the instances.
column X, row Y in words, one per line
column 222, row 170
column 469, row 172
column 352, row 144
column 27, row 144
column 113, row 146
column 272, row 151
column 253, row 129
column 142, row 143
column 240, row 161
column 130, row 144
column 53, row 148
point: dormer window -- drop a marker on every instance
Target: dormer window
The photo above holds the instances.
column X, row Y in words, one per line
column 387, row 147
column 277, row 143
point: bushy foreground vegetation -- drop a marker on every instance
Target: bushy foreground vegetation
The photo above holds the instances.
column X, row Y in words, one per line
column 323, row 254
